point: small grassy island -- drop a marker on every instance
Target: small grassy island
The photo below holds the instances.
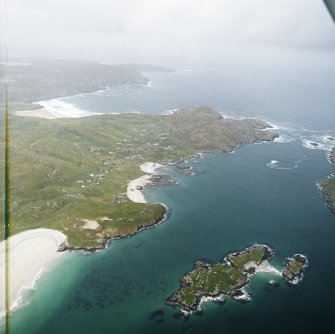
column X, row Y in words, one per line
column 294, row 269
column 229, row 277
column 72, row 174
column 328, row 185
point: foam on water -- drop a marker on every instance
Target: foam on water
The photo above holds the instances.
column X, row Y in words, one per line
column 283, row 165
column 310, row 139
column 225, row 114
column 169, row 112
column 284, row 139
column 62, row 109
column 20, row 299
column 317, row 141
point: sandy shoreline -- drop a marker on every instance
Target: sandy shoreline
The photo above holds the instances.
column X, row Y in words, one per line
column 31, row 252
column 39, row 113
column 264, row 267
column 134, row 188
column 54, row 108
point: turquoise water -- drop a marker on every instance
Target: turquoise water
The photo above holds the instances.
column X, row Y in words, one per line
column 265, row 193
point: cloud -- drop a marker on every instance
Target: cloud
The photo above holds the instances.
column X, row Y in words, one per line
column 126, row 29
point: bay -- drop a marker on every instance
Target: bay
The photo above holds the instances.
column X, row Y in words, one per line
column 265, row 193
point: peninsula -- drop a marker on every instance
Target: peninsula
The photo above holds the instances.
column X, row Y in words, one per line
column 328, row 185
column 72, row 175
column 35, row 79
column 213, row 281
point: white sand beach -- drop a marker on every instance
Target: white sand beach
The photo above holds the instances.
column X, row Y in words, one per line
column 150, row 167
column 55, row 108
column 264, row 267
column 30, row 253
column 134, row 189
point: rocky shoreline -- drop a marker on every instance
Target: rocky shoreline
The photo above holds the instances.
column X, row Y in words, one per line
column 211, row 282
column 295, row 268
column 235, row 265
column 327, row 186
column 106, row 240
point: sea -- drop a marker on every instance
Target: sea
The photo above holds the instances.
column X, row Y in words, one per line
column 262, row 193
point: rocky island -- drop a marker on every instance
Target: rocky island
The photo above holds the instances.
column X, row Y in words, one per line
column 212, row 281
column 227, row 277
column 294, row 269
column 328, row 185
column 68, row 172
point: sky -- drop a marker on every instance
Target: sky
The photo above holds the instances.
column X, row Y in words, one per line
column 161, row 31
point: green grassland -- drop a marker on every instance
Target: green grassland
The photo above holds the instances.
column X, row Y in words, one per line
column 328, row 190
column 295, row 268
column 63, row 171
column 256, row 254
column 221, row 278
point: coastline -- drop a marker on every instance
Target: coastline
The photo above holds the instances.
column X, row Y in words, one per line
column 54, row 108
column 58, row 108
column 31, row 252
column 134, row 188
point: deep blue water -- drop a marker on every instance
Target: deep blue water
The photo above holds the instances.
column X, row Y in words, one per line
column 265, row 193
column 297, row 92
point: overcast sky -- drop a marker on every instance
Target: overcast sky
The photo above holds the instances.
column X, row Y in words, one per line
column 161, row 31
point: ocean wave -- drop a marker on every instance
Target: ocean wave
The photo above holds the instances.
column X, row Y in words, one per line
column 169, row 112
column 58, row 108
column 225, row 114
column 276, row 126
column 283, row 165
column 20, row 299
column 319, row 186
column 310, row 139
column 244, row 296
column 284, row 139
column 322, row 142
column 96, row 92
column 26, row 286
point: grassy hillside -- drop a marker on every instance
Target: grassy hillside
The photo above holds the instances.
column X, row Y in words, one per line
column 42, row 79
column 67, row 171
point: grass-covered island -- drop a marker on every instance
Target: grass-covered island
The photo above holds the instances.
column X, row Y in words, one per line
column 328, row 185
column 294, row 269
column 227, row 277
column 212, row 281
column 72, row 174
